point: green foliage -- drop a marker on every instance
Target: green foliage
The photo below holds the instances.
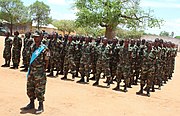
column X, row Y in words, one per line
column 111, row 13
column 65, row 25
column 13, row 11
column 178, row 37
column 164, row 33
column 89, row 31
column 39, row 13
column 125, row 34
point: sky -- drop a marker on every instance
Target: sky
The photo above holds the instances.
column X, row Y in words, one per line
column 163, row 9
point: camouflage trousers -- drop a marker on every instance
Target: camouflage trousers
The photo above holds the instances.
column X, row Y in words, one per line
column 69, row 65
column 126, row 70
column 84, row 68
column 36, row 84
column 147, row 75
column 24, row 57
column 102, row 67
column 113, row 68
column 55, row 62
column 7, row 54
column 77, row 62
column 119, row 73
column 16, row 54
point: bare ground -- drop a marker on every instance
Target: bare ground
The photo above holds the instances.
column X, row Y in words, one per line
column 67, row 98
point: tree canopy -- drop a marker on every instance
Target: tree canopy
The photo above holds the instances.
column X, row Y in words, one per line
column 65, row 25
column 39, row 13
column 13, row 11
column 111, row 13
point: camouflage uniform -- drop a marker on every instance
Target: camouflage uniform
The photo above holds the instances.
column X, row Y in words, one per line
column 85, row 61
column 147, row 68
column 126, row 66
column 102, row 65
column 94, row 58
column 69, row 60
column 77, row 56
column 113, row 59
column 119, row 71
column 55, row 55
column 133, row 50
column 24, row 51
column 16, row 51
column 7, row 51
column 28, row 50
column 36, row 81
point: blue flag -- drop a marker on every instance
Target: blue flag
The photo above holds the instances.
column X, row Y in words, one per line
column 35, row 54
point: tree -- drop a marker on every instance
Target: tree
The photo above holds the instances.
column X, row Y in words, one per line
column 13, row 11
column 164, row 33
column 111, row 13
column 65, row 25
column 39, row 13
column 89, row 31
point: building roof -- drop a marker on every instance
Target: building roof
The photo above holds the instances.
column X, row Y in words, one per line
column 45, row 26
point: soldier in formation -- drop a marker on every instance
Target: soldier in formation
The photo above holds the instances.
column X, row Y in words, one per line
column 7, row 50
column 129, row 61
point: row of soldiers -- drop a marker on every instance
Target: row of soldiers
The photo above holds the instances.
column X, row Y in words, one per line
column 129, row 60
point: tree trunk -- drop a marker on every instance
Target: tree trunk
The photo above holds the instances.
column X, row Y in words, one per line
column 110, row 32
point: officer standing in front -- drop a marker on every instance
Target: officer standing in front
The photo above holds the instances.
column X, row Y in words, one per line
column 36, row 81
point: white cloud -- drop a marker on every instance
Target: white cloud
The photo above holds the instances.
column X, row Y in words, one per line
column 59, row 16
column 160, row 3
column 169, row 26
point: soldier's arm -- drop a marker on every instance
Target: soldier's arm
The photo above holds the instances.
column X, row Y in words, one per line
column 46, row 58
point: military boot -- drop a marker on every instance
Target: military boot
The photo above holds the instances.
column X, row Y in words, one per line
column 148, row 92
column 96, row 83
column 117, row 87
column 140, row 91
column 4, row 65
column 64, row 78
column 29, row 106
column 51, row 74
column 93, row 78
column 40, row 108
column 153, row 90
column 81, row 80
column 125, row 88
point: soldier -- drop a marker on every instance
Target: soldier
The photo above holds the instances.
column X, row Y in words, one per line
column 28, row 50
column 119, row 71
column 55, row 56
column 94, row 57
column 148, row 68
column 85, row 60
column 7, row 50
column 137, row 68
column 69, row 59
column 16, row 51
column 133, row 50
column 102, row 65
column 77, row 57
column 63, row 53
column 36, row 81
column 126, row 64
column 113, row 58
column 24, row 53
column 157, row 73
